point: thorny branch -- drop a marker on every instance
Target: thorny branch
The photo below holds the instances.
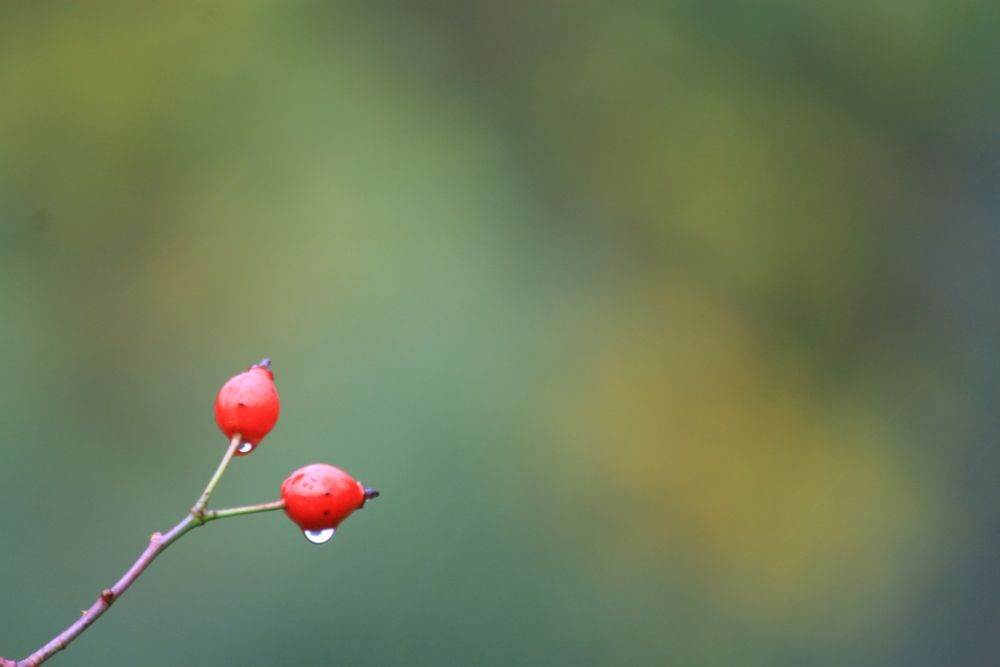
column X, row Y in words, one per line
column 157, row 543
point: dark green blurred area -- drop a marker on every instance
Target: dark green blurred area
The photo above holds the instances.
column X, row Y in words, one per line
column 667, row 330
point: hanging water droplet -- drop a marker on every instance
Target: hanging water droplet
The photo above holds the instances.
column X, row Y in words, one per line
column 245, row 447
column 319, row 536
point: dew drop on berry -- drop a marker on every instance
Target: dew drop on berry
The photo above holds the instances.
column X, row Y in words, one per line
column 245, row 447
column 319, row 536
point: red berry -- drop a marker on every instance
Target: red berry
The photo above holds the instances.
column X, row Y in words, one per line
column 320, row 496
column 248, row 405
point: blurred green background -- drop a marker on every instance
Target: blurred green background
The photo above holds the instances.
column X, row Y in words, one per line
column 667, row 330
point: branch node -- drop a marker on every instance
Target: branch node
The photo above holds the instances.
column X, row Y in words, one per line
column 108, row 596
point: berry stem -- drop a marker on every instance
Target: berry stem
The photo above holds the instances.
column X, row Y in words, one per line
column 212, row 515
column 199, row 507
column 157, row 543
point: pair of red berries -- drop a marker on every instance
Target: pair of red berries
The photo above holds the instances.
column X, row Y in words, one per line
column 317, row 497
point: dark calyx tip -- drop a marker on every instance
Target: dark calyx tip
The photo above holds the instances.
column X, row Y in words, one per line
column 369, row 494
column 264, row 363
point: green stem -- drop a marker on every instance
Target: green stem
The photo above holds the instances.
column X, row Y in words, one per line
column 212, row 515
column 199, row 507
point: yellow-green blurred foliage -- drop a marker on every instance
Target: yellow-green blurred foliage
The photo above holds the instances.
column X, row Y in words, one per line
column 667, row 330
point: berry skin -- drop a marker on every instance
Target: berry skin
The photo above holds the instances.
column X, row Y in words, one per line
column 320, row 496
column 248, row 404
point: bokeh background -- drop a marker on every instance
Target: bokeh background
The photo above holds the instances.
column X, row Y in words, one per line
column 668, row 330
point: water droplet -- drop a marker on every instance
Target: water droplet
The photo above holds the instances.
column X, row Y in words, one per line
column 319, row 536
column 245, row 447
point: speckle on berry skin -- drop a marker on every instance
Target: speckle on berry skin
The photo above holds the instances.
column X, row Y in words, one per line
column 320, row 496
column 248, row 405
